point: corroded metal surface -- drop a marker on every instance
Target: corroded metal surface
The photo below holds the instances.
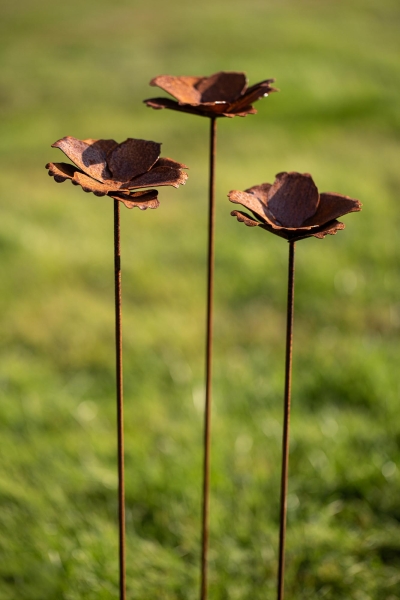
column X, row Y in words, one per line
column 133, row 158
column 286, row 422
column 223, row 94
column 107, row 168
column 292, row 208
column 120, row 402
column 209, row 352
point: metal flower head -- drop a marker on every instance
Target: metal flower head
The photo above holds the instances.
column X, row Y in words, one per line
column 292, row 208
column 224, row 94
column 107, row 168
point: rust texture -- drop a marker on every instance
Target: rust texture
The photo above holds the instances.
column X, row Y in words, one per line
column 292, row 207
column 107, row 168
column 223, row 94
column 120, row 402
column 209, row 349
column 286, row 422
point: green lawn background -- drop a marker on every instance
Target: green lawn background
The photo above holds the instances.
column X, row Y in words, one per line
column 82, row 69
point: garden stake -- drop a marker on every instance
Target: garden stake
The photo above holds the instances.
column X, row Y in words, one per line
column 209, row 341
column 120, row 401
column 115, row 170
column 286, row 421
column 224, row 94
column 293, row 209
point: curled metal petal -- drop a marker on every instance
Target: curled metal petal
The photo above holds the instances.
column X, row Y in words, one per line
column 90, row 158
column 91, row 185
column 252, row 95
column 225, row 86
column 61, row 171
column 159, row 176
column 143, row 199
column 261, row 191
column 243, row 218
column 203, row 110
column 104, row 145
column 132, row 157
column 292, row 199
column 254, row 203
column 182, row 88
column 302, row 233
column 159, row 103
column 169, row 162
column 333, row 205
column 329, row 228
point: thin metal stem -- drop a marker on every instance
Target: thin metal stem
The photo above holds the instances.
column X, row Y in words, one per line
column 286, row 422
column 120, row 401
column 209, row 339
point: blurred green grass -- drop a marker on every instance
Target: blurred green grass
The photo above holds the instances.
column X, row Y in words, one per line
column 82, row 69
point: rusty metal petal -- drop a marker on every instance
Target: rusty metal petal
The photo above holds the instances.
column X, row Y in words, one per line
column 329, row 228
column 105, row 145
column 169, row 162
column 132, row 157
column 261, row 191
column 219, row 109
column 224, row 86
column 159, row 103
column 288, row 233
column 301, row 233
column 203, row 110
column 243, row 218
column 253, row 203
column 89, row 158
column 143, row 200
column 214, row 108
column 61, row 171
column 182, row 88
column 293, row 198
column 254, row 93
column 91, row 185
column 158, row 176
column 293, row 233
column 247, row 110
column 331, row 206
column 261, row 83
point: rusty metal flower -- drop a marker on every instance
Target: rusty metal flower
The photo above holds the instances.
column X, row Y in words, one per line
column 224, row 94
column 292, row 207
column 107, row 168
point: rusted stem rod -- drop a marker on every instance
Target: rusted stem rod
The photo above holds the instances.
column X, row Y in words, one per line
column 286, row 422
column 209, row 339
column 120, row 402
